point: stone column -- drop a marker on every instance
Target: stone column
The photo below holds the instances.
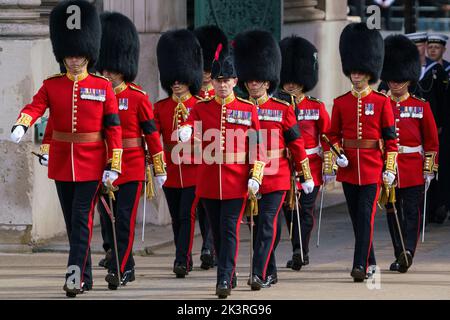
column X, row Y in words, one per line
column 152, row 18
column 29, row 209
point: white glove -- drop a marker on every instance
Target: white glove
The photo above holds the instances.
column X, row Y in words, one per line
column 253, row 186
column 327, row 178
column 109, row 175
column 44, row 160
column 428, row 177
column 308, row 186
column 342, row 161
column 388, row 178
column 17, row 134
column 185, row 133
column 160, row 180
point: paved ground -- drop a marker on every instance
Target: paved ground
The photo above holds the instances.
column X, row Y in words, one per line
column 39, row 275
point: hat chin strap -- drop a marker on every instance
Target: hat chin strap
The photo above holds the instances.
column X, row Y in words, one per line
column 78, row 69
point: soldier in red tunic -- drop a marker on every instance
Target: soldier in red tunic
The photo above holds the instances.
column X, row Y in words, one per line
column 230, row 167
column 181, row 68
column 362, row 127
column 118, row 61
column 83, row 110
column 418, row 145
column 209, row 38
column 258, row 65
column 299, row 74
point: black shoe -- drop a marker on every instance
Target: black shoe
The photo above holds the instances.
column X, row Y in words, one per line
column 106, row 261
column 86, row 287
column 72, row 293
column 258, row 283
column 113, row 280
column 289, row 264
column 405, row 260
column 305, row 260
column 395, row 266
column 180, row 270
column 234, row 281
column 358, row 273
column 297, row 262
column 207, row 259
column 223, row 290
column 272, row 279
column 128, row 276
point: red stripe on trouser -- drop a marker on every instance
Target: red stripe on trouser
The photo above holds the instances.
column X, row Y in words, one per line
column 273, row 237
column 372, row 220
column 132, row 228
column 90, row 224
column 191, row 235
column 238, row 227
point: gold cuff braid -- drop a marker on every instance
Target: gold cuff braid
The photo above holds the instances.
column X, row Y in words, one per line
column 429, row 163
column 329, row 165
column 44, row 148
column 306, row 170
column 257, row 172
column 159, row 166
column 116, row 163
column 391, row 162
column 24, row 120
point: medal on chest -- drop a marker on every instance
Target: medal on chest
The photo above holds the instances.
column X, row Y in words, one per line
column 123, row 104
column 369, row 109
column 239, row 117
column 93, row 94
column 270, row 115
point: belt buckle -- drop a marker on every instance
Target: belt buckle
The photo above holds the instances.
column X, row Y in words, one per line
column 400, row 149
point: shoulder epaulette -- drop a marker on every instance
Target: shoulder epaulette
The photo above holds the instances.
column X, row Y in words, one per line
column 198, row 97
column 281, row 101
column 98, row 76
column 205, row 100
column 342, row 95
column 314, row 99
column 137, row 89
column 381, row 93
column 55, row 75
column 135, row 84
column 244, row 100
column 418, row 98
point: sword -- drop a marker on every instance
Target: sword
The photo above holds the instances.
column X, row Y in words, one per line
column 110, row 191
column 400, row 232
column 40, row 156
column 333, row 148
column 424, row 212
column 145, row 201
column 298, row 219
column 320, row 215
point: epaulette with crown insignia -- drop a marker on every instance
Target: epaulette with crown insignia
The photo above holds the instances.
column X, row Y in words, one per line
column 55, row 75
column 98, row 76
column 244, row 100
column 418, row 98
column 281, row 101
column 313, row 99
column 137, row 89
column 381, row 93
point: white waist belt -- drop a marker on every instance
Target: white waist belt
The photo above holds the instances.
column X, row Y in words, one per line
column 313, row 150
column 405, row 149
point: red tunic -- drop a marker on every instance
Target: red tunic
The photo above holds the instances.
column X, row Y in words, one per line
column 367, row 117
column 179, row 174
column 85, row 105
column 279, row 130
column 136, row 119
column 415, row 127
column 313, row 120
column 231, row 126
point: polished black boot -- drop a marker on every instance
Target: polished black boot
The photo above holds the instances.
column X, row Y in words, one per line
column 223, row 289
column 128, row 276
column 258, row 283
column 207, row 259
column 358, row 273
column 113, row 280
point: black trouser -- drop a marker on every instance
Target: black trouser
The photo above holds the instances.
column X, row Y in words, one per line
column 362, row 206
column 77, row 201
column 205, row 229
column 409, row 212
column 105, row 224
column 307, row 205
column 266, row 233
column 225, row 219
column 180, row 202
column 125, row 208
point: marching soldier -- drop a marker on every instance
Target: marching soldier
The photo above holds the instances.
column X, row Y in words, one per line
column 258, row 65
column 299, row 74
column 118, row 61
column 180, row 65
column 209, row 38
column 418, row 145
column 230, row 168
column 363, row 133
column 82, row 107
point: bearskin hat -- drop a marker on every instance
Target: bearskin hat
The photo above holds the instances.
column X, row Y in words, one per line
column 209, row 37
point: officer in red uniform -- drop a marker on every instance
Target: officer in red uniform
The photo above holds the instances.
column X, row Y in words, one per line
column 118, row 61
column 362, row 127
column 83, row 110
column 258, row 65
column 181, row 69
column 299, row 74
column 418, row 145
column 209, row 38
column 231, row 166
